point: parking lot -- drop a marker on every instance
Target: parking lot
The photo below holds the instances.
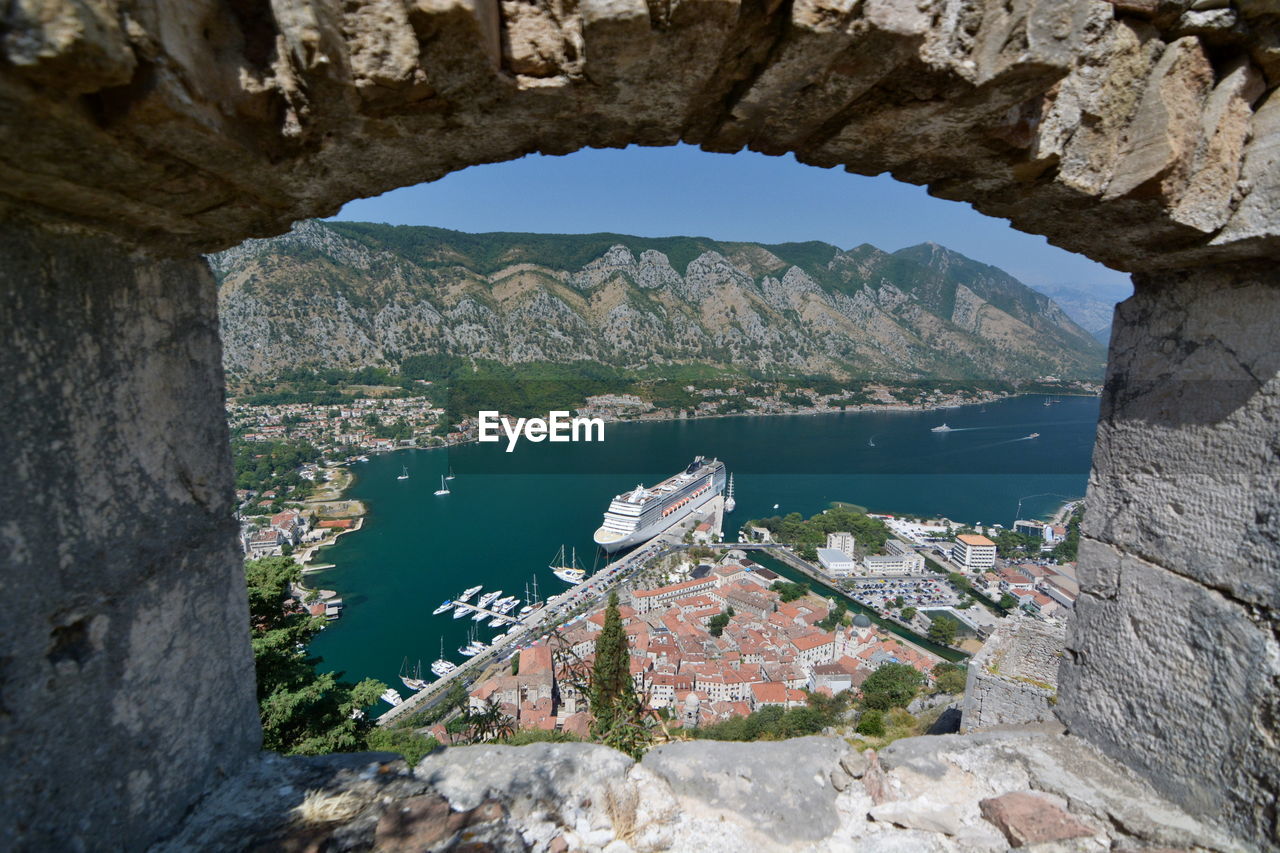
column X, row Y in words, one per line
column 918, row 592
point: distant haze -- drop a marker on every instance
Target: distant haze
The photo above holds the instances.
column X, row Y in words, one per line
column 660, row 192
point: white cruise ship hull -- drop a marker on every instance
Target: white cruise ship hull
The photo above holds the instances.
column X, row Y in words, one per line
column 612, row 541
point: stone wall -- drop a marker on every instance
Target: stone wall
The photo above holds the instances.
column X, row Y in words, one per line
column 1173, row 662
column 1140, row 133
column 977, row 793
column 126, row 684
column 1013, row 680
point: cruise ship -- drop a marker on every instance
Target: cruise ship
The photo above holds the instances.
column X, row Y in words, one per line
column 643, row 513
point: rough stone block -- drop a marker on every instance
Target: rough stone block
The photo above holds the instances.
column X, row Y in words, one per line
column 1032, row 819
column 126, row 675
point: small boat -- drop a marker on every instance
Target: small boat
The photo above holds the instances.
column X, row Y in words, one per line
column 362, row 458
column 443, row 607
column 569, row 573
column 775, row 506
column 1034, row 435
column 444, row 487
column 391, row 697
column 404, row 475
column 412, row 679
column 943, row 428
column 467, row 595
column 443, row 667
column 450, row 475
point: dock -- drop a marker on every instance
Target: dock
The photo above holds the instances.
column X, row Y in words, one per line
column 507, row 619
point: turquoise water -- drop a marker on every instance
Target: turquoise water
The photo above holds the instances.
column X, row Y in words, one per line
column 504, row 521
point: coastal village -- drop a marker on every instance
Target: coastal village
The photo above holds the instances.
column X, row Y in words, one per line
column 711, row 635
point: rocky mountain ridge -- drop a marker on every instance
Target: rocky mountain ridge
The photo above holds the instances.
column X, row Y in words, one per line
column 341, row 294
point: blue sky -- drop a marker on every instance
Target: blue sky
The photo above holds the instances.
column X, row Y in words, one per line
column 655, row 192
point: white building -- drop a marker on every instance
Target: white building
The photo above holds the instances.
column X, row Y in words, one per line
column 841, row 542
column 835, row 563
column 973, row 553
column 894, row 564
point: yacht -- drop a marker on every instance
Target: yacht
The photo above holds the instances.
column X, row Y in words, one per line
column 488, row 597
column 442, row 666
column 404, row 475
column 450, row 475
column 567, row 572
column 1034, row 435
column 479, row 616
column 466, row 596
column 443, row 607
column 412, row 678
column 462, row 610
column 497, row 621
column 729, row 503
column 943, row 428
column 391, row 697
column 444, row 487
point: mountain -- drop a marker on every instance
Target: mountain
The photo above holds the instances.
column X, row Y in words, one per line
column 1090, row 306
column 349, row 294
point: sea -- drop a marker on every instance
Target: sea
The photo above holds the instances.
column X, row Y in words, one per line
column 507, row 514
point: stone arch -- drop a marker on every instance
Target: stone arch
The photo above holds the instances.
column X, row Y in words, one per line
column 1141, row 133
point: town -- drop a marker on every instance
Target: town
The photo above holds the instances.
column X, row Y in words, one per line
column 713, row 634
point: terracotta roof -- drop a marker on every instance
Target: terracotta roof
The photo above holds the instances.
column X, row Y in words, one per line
column 974, row 539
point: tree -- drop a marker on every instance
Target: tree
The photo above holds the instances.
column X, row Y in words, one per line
column 303, row 712
column 892, row 685
column 907, row 614
column 614, row 705
column 790, row 591
column 1008, row 602
column 950, row 677
column 899, row 601
column 871, row 723
column 716, row 624
column 942, row 630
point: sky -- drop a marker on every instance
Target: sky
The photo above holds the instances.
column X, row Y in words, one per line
column 681, row 190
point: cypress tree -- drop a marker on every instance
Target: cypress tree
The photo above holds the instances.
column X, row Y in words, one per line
column 614, row 703
column 611, row 673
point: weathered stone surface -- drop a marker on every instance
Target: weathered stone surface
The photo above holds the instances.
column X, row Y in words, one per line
column 1172, row 657
column 127, row 682
column 1013, row 680
column 588, row 798
column 197, row 125
column 792, row 795
column 1258, row 214
column 1032, row 819
column 1205, row 202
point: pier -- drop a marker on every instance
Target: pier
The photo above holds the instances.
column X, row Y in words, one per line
column 507, row 619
